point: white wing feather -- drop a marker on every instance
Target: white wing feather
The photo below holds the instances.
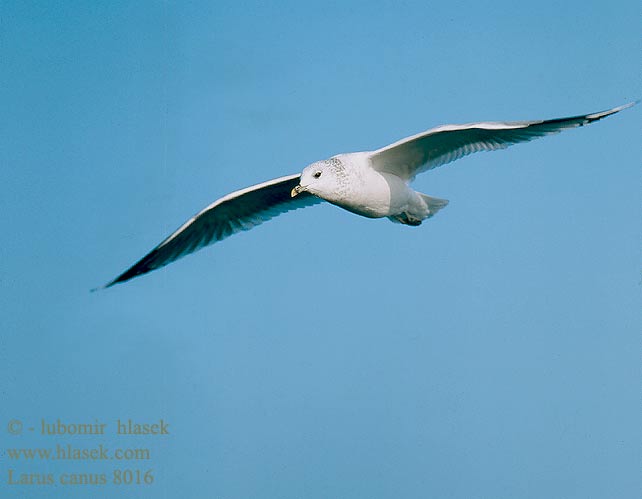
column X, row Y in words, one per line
column 444, row 144
column 238, row 211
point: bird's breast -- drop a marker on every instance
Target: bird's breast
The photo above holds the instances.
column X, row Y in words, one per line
column 376, row 195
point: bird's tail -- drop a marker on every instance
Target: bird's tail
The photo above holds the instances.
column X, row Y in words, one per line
column 434, row 204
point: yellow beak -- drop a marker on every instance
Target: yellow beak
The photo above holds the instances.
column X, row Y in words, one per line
column 295, row 191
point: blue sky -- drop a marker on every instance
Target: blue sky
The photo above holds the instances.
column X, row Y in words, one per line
column 491, row 352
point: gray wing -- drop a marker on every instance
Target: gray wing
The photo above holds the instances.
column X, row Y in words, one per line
column 240, row 210
column 443, row 144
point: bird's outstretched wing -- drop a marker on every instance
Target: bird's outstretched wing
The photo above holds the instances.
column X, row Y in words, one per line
column 240, row 210
column 443, row 144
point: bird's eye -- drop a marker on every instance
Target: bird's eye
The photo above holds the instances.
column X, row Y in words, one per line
column 317, row 174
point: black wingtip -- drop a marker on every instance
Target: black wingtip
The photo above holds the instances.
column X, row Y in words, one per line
column 598, row 116
column 104, row 286
column 141, row 267
column 125, row 276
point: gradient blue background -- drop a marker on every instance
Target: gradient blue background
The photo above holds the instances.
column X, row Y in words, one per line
column 493, row 352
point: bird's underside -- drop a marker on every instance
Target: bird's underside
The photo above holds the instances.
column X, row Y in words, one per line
column 353, row 181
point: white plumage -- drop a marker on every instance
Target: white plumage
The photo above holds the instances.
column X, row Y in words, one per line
column 374, row 184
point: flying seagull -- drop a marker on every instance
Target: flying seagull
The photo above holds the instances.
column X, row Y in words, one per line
column 373, row 184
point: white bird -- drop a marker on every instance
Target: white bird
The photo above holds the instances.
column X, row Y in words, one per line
column 373, row 184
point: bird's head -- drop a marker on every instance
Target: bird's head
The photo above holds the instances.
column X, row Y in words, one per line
column 323, row 179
